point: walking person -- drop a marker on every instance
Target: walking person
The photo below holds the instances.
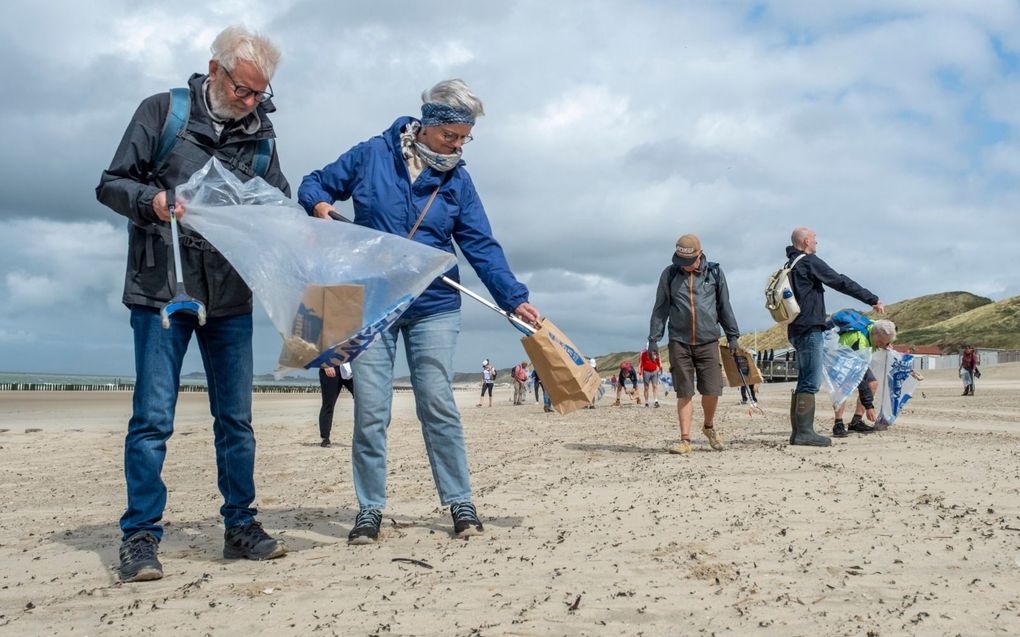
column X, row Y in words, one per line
column 651, row 371
column 808, row 279
column 225, row 114
column 488, row 380
column 969, row 372
column 536, row 382
column 746, row 389
column 520, row 377
column 331, row 381
column 693, row 298
column 410, row 180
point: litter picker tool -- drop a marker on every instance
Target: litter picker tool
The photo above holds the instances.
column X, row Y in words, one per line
column 181, row 302
column 522, row 326
column 750, row 395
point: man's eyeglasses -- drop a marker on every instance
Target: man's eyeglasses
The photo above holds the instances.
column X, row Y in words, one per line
column 450, row 137
column 242, row 91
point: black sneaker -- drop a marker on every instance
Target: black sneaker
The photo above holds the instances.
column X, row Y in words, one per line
column 465, row 520
column 366, row 527
column 839, row 430
column 858, row 425
column 138, row 562
column 325, row 442
column 250, row 542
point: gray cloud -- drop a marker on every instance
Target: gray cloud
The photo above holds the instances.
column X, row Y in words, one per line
column 612, row 128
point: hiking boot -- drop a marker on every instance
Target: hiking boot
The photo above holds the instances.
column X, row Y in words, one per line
column 250, row 542
column 857, row 424
column 713, row 438
column 802, row 421
column 138, row 562
column 325, row 442
column 465, row 520
column 366, row 527
column 839, row 430
column 681, row 449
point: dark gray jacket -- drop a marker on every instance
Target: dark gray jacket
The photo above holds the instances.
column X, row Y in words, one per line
column 128, row 187
column 696, row 304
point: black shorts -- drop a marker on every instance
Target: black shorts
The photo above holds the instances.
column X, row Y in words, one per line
column 487, row 387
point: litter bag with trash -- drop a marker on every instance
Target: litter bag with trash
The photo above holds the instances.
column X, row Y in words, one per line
column 329, row 288
column 843, row 368
column 896, row 383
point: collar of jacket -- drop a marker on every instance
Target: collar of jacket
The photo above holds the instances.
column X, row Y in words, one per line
column 199, row 121
column 392, row 139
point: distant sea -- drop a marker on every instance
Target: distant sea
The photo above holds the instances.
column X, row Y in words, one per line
column 94, row 379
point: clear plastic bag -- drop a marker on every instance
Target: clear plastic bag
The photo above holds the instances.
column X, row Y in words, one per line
column 282, row 254
column 843, row 368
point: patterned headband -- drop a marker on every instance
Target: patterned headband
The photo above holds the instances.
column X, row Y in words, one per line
column 434, row 114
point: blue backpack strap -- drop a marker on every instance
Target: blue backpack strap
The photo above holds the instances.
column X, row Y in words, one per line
column 176, row 119
column 263, row 154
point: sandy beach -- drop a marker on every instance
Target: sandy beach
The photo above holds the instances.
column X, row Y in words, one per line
column 591, row 528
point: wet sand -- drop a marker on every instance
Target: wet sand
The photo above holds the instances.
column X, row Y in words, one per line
column 591, row 528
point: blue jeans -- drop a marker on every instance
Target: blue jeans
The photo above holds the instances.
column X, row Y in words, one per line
column 809, row 361
column 226, row 349
column 429, row 342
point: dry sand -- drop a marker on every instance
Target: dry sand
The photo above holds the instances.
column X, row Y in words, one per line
column 591, row 528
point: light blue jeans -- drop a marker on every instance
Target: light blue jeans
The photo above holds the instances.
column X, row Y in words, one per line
column 429, row 342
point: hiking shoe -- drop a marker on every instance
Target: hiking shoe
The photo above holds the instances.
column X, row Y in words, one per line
column 138, row 562
column 325, row 442
column 683, row 448
column 839, row 430
column 366, row 527
column 250, row 542
column 465, row 520
column 858, row 425
column 713, row 438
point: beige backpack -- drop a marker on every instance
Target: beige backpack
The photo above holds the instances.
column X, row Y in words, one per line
column 779, row 298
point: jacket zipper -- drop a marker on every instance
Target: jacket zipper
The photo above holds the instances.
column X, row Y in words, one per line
column 694, row 318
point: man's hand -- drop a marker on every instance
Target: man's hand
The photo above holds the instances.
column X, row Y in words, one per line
column 330, row 371
column 879, row 307
column 870, row 414
column 322, row 210
column 162, row 211
column 734, row 345
column 653, row 346
column 527, row 313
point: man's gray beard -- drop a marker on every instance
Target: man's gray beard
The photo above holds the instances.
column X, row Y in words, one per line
column 218, row 103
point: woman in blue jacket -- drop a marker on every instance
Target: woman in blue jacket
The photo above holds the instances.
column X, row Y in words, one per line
column 411, row 181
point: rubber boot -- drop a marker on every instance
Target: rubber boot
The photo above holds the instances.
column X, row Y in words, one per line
column 802, row 419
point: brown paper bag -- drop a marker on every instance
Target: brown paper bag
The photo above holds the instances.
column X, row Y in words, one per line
column 753, row 376
column 565, row 372
column 327, row 315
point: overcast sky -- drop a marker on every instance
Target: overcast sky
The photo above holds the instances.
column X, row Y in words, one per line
column 611, row 129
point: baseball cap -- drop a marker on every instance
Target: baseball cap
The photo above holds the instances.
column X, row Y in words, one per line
column 688, row 249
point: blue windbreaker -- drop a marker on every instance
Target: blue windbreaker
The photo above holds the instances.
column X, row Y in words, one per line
column 375, row 175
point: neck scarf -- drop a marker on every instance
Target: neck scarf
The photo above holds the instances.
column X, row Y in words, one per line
column 418, row 155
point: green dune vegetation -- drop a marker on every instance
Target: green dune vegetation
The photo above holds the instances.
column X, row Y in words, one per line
column 948, row 320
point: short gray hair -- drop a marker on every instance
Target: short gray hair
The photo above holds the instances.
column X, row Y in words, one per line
column 236, row 43
column 798, row 236
column 454, row 93
column 886, row 328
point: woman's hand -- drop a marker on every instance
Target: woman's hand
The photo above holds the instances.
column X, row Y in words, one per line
column 527, row 313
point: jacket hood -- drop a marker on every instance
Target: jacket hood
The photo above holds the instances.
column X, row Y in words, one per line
column 791, row 252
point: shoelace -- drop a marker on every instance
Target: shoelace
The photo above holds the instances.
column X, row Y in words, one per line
column 142, row 548
column 464, row 511
column 368, row 517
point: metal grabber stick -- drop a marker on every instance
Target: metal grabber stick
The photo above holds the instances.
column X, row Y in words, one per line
column 743, row 381
column 181, row 302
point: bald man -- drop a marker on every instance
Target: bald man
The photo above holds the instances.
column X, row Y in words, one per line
column 808, row 278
